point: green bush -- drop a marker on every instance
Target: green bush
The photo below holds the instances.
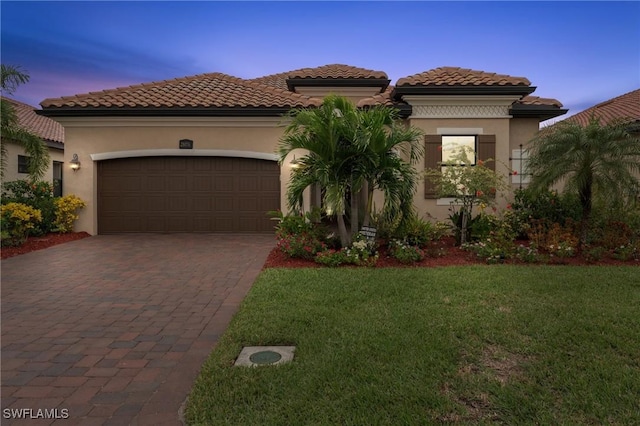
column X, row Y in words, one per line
column 38, row 195
column 418, row 232
column 405, row 252
column 18, row 220
column 300, row 236
column 548, row 207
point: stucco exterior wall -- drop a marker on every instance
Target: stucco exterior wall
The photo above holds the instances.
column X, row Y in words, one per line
column 95, row 139
column 11, row 171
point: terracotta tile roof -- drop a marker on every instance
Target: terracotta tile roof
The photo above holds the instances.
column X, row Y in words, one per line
column 337, row 71
column 455, row 76
column 201, row 91
column 325, row 72
column 623, row 107
column 44, row 127
column 383, row 98
column 536, row 100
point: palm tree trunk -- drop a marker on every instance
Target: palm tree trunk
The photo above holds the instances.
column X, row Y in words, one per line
column 586, row 202
column 355, row 212
column 342, row 230
column 367, row 195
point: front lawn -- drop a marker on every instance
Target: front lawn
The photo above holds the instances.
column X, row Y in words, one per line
column 471, row 344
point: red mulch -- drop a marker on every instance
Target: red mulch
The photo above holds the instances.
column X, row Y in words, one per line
column 451, row 256
column 42, row 242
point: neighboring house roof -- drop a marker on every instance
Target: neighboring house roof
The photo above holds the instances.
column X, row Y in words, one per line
column 49, row 130
column 221, row 94
column 623, row 107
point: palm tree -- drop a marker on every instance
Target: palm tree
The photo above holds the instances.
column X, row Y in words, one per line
column 393, row 149
column 596, row 159
column 350, row 153
column 11, row 131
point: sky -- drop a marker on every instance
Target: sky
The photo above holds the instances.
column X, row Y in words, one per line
column 580, row 53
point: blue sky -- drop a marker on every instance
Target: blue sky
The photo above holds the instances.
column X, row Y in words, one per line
column 580, row 53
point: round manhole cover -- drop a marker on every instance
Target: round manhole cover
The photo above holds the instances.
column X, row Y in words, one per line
column 265, row 357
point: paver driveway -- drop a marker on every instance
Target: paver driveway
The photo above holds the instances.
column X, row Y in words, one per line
column 113, row 329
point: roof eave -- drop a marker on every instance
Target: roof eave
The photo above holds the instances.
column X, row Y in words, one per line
column 542, row 112
column 382, row 83
column 520, row 90
column 54, row 144
column 165, row 112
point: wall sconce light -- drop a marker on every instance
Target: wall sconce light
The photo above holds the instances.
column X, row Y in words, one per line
column 75, row 163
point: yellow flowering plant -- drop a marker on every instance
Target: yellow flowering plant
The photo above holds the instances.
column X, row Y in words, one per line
column 17, row 220
column 66, row 212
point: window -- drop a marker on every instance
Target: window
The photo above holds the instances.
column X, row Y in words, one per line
column 519, row 162
column 442, row 148
column 57, row 179
column 452, row 146
column 23, row 164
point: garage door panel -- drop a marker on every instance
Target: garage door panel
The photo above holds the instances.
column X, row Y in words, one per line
column 155, row 183
column 202, row 183
column 224, row 183
column 248, row 183
column 187, row 194
column 202, row 204
column 177, row 203
column 176, row 184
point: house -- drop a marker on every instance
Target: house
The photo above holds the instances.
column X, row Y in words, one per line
column 624, row 107
column 196, row 154
column 52, row 134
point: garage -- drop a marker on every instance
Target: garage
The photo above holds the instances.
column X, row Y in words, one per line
column 187, row 194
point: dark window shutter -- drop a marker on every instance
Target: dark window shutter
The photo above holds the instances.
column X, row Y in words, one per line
column 487, row 150
column 432, row 158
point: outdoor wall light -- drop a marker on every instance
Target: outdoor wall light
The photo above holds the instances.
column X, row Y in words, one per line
column 75, row 163
column 294, row 163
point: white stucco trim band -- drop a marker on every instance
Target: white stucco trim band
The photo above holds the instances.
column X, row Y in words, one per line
column 183, row 153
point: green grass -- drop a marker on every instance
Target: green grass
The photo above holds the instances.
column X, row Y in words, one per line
column 474, row 344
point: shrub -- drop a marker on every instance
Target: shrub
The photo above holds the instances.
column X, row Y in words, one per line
column 594, row 254
column 17, row 221
column 405, row 252
column 627, row 252
column 560, row 240
column 498, row 245
column 361, row 253
column 418, row 232
column 38, row 195
column 528, row 254
column 298, row 236
column 300, row 246
column 66, row 212
column 547, row 207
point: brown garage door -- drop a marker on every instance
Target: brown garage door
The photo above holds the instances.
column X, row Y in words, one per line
column 187, row 194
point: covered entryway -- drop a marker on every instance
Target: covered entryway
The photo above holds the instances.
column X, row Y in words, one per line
column 187, row 194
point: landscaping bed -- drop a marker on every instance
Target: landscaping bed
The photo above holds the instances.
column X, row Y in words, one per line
column 449, row 255
column 42, row 242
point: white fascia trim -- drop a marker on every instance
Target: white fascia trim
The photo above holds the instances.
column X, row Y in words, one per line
column 240, row 122
column 460, row 131
column 183, row 153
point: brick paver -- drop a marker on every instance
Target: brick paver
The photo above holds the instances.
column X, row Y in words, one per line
column 113, row 329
